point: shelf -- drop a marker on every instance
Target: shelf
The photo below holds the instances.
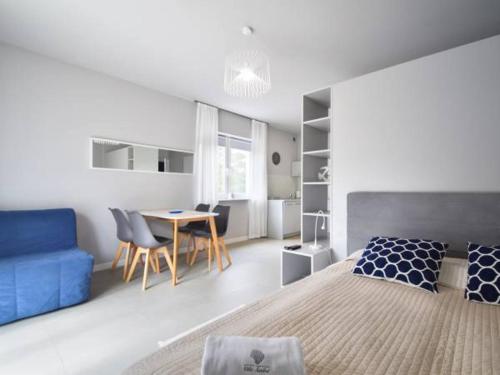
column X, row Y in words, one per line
column 320, row 96
column 326, row 214
column 307, row 251
column 322, row 123
column 324, row 154
column 316, row 183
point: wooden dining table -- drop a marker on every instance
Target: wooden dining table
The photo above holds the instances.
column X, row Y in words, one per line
column 183, row 217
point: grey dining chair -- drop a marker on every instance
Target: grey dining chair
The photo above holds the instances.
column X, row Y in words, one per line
column 185, row 231
column 204, row 238
column 147, row 244
column 125, row 238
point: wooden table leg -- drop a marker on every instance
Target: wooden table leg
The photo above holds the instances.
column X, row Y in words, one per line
column 215, row 240
column 176, row 251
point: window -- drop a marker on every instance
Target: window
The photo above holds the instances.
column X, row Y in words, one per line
column 233, row 167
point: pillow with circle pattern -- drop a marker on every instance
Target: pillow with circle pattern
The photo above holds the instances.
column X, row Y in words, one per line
column 483, row 278
column 414, row 262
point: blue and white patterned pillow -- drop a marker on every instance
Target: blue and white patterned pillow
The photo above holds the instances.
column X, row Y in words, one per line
column 483, row 279
column 413, row 262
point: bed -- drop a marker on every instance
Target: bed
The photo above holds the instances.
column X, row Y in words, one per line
column 355, row 325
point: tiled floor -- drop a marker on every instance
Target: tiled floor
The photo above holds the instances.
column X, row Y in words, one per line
column 122, row 324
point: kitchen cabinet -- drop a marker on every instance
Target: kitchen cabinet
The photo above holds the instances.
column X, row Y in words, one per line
column 283, row 219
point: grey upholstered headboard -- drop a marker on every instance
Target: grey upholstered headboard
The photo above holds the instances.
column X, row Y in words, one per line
column 454, row 218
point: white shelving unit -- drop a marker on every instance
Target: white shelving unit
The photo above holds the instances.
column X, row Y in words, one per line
column 316, row 153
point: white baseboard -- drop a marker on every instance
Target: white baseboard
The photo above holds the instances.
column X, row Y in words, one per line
column 107, row 265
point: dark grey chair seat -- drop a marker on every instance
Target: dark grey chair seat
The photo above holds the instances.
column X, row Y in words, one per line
column 221, row 222
column 195, row 224
column 205, row 233
column 163, row 241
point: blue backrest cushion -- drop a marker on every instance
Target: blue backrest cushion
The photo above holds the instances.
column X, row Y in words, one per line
column 483, row 278
column 36, row 231
column 413, row 262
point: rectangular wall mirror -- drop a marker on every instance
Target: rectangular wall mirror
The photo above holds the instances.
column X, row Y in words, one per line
column 112, row 154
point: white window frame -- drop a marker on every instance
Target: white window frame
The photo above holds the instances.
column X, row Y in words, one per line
column 229, row 195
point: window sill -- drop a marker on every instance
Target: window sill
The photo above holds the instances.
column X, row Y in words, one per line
column 233, row 199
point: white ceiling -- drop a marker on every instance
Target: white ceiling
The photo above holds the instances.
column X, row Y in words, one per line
column 178, row 47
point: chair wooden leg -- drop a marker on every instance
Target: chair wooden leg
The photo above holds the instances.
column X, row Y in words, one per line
column 157, row 261
column 146, row 268
column 188, row 250
column 138, row 255
column 195, row 254
column 127, row 260
column 118, row 255
column 224, row 249
column 166, row 255
column 151, row 260
column 209, row 255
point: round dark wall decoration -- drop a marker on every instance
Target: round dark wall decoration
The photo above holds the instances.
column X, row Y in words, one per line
column 276, row 158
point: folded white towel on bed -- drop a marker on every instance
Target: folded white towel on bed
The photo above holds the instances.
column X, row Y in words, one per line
column 235, row 355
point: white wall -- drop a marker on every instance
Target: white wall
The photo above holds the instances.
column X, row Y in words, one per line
column 432, row 124
column 48, row 111
column 280, row 181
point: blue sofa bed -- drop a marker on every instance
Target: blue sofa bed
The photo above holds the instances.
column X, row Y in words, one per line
column 41, row 267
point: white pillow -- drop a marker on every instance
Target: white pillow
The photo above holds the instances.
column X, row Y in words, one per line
column 453, row 273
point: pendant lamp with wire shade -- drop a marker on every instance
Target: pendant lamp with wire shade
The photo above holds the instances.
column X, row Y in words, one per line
column 247, row 72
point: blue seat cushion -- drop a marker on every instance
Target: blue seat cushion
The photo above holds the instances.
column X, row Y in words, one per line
column 32, row 284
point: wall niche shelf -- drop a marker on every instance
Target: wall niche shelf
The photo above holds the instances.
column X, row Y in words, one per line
column 316, row 183
column 322, row 123
column 318, row 153
column 326, row 214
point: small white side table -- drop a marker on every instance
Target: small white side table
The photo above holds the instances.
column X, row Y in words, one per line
column 297, row 264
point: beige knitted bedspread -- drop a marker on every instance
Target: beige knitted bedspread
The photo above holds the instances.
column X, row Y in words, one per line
column 354, row 325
